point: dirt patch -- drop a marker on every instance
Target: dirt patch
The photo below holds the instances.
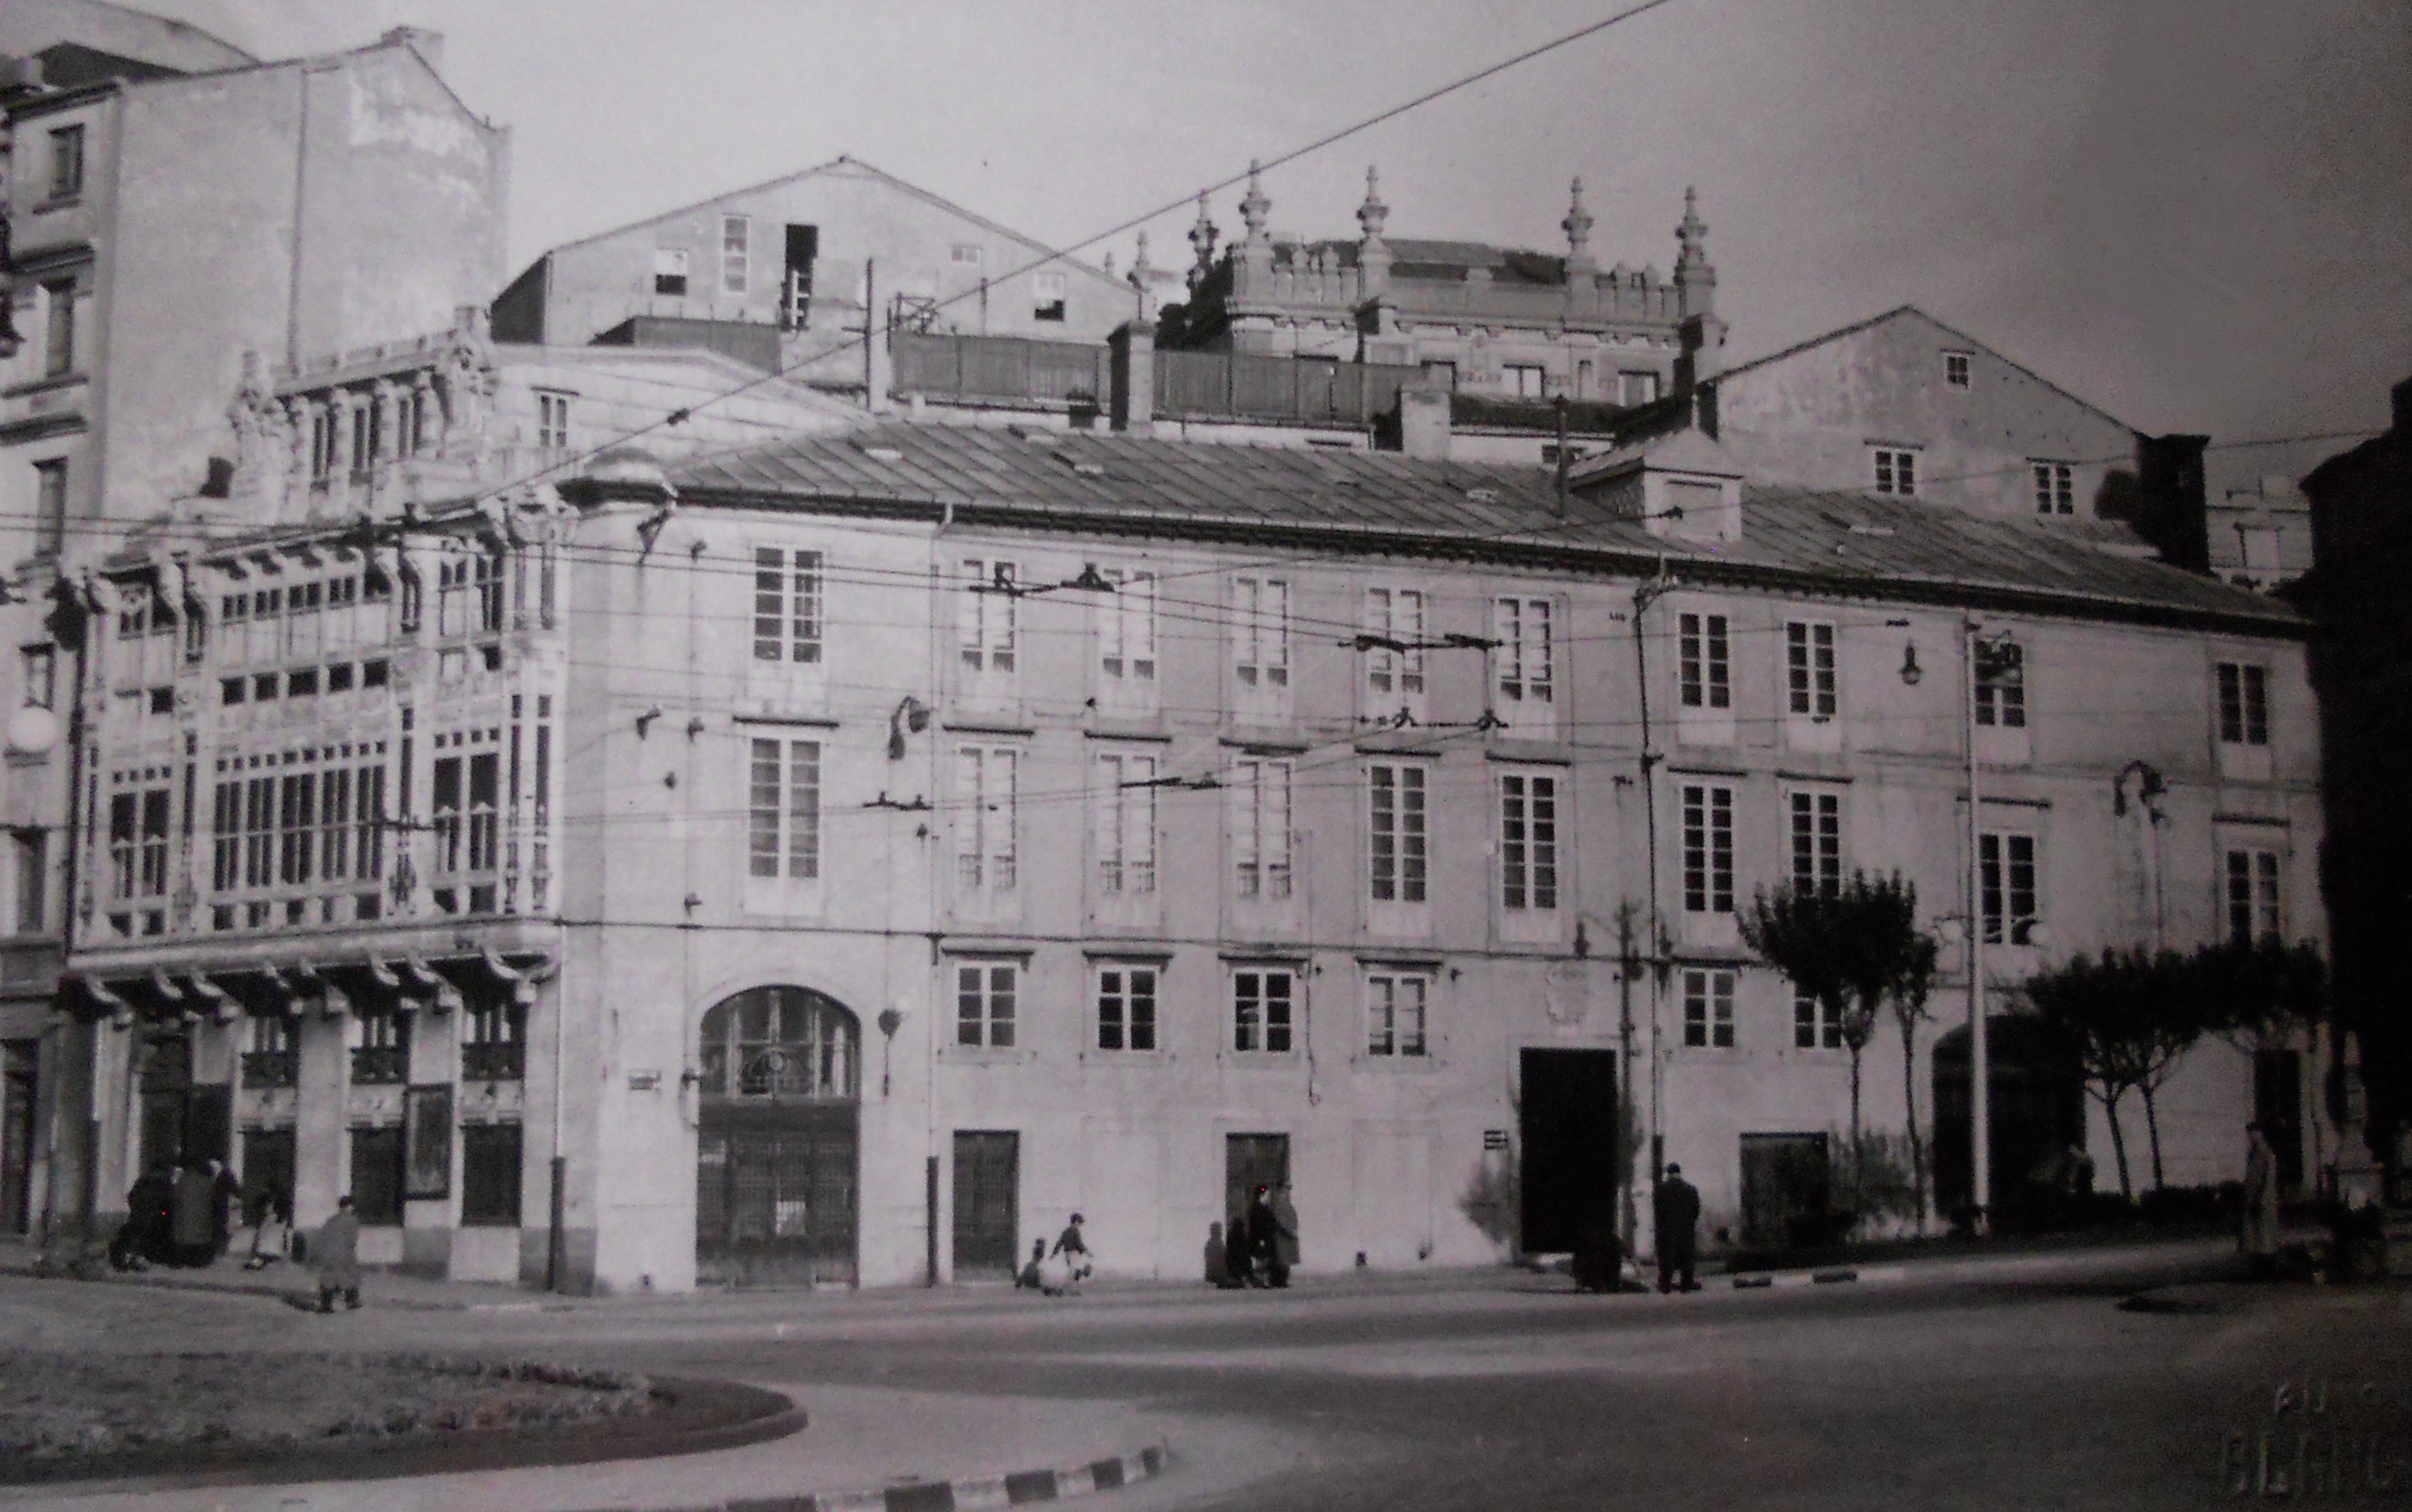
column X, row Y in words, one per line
column 57, row 1407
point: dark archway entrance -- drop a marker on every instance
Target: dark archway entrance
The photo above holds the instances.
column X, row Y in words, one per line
column 778, row 1151
column 2036, row 1109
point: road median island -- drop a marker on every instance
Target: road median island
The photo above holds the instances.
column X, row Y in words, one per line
column 225, row 1418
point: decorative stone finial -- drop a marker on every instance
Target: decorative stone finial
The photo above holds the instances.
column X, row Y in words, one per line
column 1693, row 235
column 1372, row 215
column 1201, row 235
column 1256, row 210
column 1140, row 270
column 1576, row 225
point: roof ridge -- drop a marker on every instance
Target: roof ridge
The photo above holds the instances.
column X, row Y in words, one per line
column 1912, row 308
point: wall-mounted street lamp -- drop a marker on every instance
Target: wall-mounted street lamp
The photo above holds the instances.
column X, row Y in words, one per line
column 889, row 1022
column 912, row 716
column 1910, row 671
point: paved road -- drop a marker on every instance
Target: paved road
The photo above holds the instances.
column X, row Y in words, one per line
column 2023, row 1387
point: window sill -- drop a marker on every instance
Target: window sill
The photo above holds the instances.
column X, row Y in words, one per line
column 1137, row 1059
column 47, row 383
column 1399, row 1065
column 985, row 1055
column 64, row 202
column 1260, row 1060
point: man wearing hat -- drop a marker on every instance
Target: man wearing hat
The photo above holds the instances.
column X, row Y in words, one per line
column 1675, row 1215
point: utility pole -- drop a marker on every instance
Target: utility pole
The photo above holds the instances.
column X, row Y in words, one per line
column 1645, row 595
column 1980, row 1130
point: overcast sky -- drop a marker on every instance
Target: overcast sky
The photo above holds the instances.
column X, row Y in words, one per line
column 2195, row 214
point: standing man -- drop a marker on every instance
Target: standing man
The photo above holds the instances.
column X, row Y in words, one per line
column 2259, row 1238
column 1675, row 1217
column 1284, row 1235
column 335, row 1254
column 1264, row 1247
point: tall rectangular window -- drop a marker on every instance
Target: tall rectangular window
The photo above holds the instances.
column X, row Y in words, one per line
column 2055, row 487
column 553, row 423
column 1396, row 1003
column 1816, row 841
column 1528, row 842
column 2243, row 704
column 138, row 844
column 1708, row 848
column 444, row 805
column 2001, row 684
column 1703, row 662
column 1393, row 642
column 37, row 676
column 1896, row 470
column 1809, row 669
column 1813, row 1027
column 1260, row 830
column 58, row 352
column 33, row 878
column 485, row 825
column 1121, row 824
column 66, row 162
column 736, row 254
column 985, row 787
column 50, row 506
column 985, row 994
column 1955, row 368
column 1262, row 1002
column 786, row 605
column 1126, row 636
column 297, row 827
column 2005, row 875
column 1260, row 634
column 783, row 826
column 2253, row 903
column 985, row 617
column 1397, row 824
column 1527, row 687
column 1709, row 1010
column 1126, row 1008
column 490, row 1175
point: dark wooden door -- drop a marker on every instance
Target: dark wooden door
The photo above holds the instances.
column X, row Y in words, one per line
column 1786, row 1188
column 17, row 1061
column 1568, row 1163
column 1251, row 1161
column 988, row 1176
column 268, row 1169
column 776, row 1198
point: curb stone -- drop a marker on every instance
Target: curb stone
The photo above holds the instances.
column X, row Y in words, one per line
column 964, row 1493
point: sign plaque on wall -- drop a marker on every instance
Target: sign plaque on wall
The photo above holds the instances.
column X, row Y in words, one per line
column 427, row 1142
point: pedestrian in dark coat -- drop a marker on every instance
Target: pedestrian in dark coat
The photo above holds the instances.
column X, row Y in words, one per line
column 1285, row 1236
column 146, row 1238
column 1239, row 1251
column 225, row 1191
column 1263, row 1238
column 196, row 1232
column 2258, row 1237
column 335, row 1255
column 1675, row 1213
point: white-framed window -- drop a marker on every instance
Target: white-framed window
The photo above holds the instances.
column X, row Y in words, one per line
column 2243, row 703
column 1703, row 661
column 670, row 270
column 50, row 506
column 1528, row 842
column 1526, row 380
column 1394, row 657
column 987, row 995
column 1047, row 297
column 1126, row 999
column 1261, row 637
column 1956, row 369
column 1398, row 824
column 1709, row 1009
column 66, row 162
column 1638, row 389
column 1811, row 685
column 783, row 816
column 2255, row 910
column 1708, row 809
column 786, row 605
column 2055, row 487
column 59, row 343
column 1397, row 1006
column 551, row 422
column 1125, row 621
column 1264, row 1006
column 1261, row 843
column 1813, row 1027
column 736, row 254
column 37, row 675
column 2001, row 684
column 1895, row 469
column 1816, row 835
column 965, row 254
column 1525, row 686
column 2006, row 874
column 986, row 618
column 1121, row 823
column 986, row 783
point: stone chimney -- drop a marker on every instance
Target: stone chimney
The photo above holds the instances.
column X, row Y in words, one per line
column 428, row 44
column 2171, row 511
column 1131, row 357
column 1423, row 418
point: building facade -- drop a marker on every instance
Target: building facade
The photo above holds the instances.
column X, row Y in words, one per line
column 836, row 860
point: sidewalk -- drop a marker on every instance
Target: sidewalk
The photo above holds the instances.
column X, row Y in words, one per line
column 865, row 1447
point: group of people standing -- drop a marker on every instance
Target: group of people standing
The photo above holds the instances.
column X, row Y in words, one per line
column 1259, row 1245
column 177, row 1217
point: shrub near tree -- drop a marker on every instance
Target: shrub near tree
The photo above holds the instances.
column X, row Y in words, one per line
column 1852, row 949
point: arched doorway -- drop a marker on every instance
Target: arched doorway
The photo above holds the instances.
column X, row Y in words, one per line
column 778, row 1145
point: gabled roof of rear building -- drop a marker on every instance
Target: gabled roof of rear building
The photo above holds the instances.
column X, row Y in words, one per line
column 1386, row 502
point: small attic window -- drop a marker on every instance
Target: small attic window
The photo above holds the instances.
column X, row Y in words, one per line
column 1955, row 368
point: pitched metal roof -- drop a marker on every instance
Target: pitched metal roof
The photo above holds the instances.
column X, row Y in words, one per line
column 1378, row 501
